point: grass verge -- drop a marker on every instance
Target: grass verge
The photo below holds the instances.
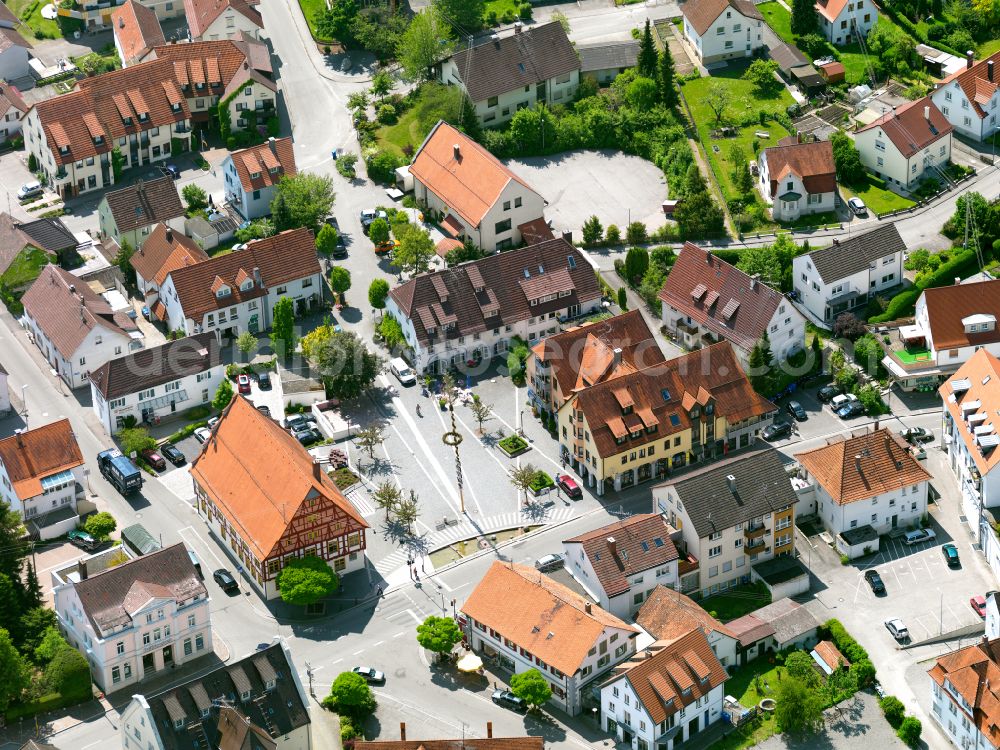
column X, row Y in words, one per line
column 878, row 198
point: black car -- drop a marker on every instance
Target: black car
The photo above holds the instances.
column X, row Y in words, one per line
column 795, row 409
column 827, row 392
column 875, row 581
column 776, row 431
column 851, row 409
column 264, row 381
column 507, row 699
column 225, row 579
column 171, row 452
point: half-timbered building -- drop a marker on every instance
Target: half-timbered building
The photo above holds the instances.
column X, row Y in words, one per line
column 267, row 501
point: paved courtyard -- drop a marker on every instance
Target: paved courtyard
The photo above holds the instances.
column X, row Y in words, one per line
column 857, row 724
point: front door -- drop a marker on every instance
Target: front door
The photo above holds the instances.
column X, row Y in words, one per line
column 540, row 92
column 148, row 663
column 168, row 655
column 895, row 521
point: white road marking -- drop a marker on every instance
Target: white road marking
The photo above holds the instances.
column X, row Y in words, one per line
column 400, row 634
column 377, row 643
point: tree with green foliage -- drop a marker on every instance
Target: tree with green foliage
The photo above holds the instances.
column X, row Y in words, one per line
column 636, row 234
column 668, row 86
column 305, row 580
column 223, row 395
column 68, row 673
column 347, row 166
column 100, row 525
column 646, row 61
column 622, row 299
column 117, row 163
column 382, row 84
column 893, row 709
column 283, row 338
column 738, row 162
column 612, row 235
column 439, row 635
column 378, row 290
column 642, row 93
column 378, row 231
column 694, row 181
column 391, row 332
column 802, row 667
column 122, row 260
column 350, row 695
column 336, row 22
column 32, row 162
column 326, row 240
column 636, row 263
column 340, row 282
column 33, row 625
column 718, row 99
column 468, row 251
column 760, row 74
column 246, row 342
column 258, row 229
column 803, row 17
column 909, row 731
column 347, row 366
column 416, row 248
column 369, row 439
column 482, row 412
column 917, row 260
column 407, row 511
column 195, row 198
column 421, row 44
column 592, row 231
column 135, row 440
column 769, row 262
column 522, row 478
column 464, row 16
column 868, row 353
column 530, row 686
column 49, row 645
column 698, row 215
column 799, row 707
column 847, row 160
column 14, row 671
column 534, row 130
column 302, row 200
column 757, row 370
column 387, row 495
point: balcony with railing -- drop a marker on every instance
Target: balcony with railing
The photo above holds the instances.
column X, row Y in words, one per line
column 753, row 546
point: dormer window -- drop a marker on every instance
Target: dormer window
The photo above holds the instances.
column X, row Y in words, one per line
column 179, row 723
column 143, row 117
column 204, row 713
column 127, row 120
column 269, row 685
column 255, row 175
column 274, row 170
column 98, row 140
column 64, row 149
column 245, row 695
column 176, row 107
column 248, row 284
column 223, row 291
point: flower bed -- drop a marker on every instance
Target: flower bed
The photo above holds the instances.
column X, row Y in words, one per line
column 514, row 445
column 344, row 478
column 542, row 483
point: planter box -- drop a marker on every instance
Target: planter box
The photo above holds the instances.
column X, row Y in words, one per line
column 517, row 450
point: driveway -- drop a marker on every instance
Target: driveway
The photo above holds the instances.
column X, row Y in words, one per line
column 615, row 187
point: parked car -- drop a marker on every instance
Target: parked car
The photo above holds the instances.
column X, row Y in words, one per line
column 225, row 580
column 978, row 603
column 776, row 431
column 857, row 206
column 243, row 383
column 202, row 434
column 264, row 409
column 875, row 581
column 916, row 435
column 370, row 674
column 173, row 171
column 173, row 454
column 29, row 190
column 838, row 402
column 264, row 381
column 308, row 436
column 920, row 535
column 850, row 410
column 369, row 215
column 950, row 552
column 898, row 630
column 795, row 409
column 550, row 562
column 568, row 485
column 154, row 459
column 507, row 699
column 211, row 422
column 827, row 393
column 402, row 371
column 293, row 421
column 81, row 539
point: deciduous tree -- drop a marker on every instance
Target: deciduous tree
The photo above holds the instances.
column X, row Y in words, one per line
column 847, row 160
column 195, row 197
column 283, row 327
column 100, row 525
column 306, row 580
column 718, row 100
column 387, row 496
column 415, row 251
column 340, row 281
column 592, row 231
column 481, row 412
column 424, row 42
column 530, row 686
column 13, row 669
column 438, row 634
column 378, row 231
column 302, row 200
column 223, row 395
column 799, row 708
column 803, row 17
column 378, row 290
column 246, row 342
column 326, row 240
column 350, row 694
column 369, row 439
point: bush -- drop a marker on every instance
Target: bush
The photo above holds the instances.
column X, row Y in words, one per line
column 68, row 674
column 909, row 731
column 959, row 265
column 635, row 233
column 387, row 114
column 894, row 710
column 382, row 166
column 843, row 640
column 612, row 235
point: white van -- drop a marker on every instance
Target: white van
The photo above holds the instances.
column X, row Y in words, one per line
column 402, row 371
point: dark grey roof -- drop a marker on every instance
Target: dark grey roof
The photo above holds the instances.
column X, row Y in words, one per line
column 144, row 203
column 512, row 62
column 789, row 619
column 148, row 368
column 139, row 540
column 608, row 55
column 50, row 234
column 846, row 257
column 762, row 487
column 780, row 569
column 788, row 56
column 860, row 535
column 277, row 711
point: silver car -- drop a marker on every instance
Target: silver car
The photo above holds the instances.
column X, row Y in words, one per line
column 898, row 630
column 857, row 206
column 550, row 562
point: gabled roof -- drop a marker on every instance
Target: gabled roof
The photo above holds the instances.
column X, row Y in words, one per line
column 670, row 675
column 947, row 306
column 585, row 355
column 538, row 614
column 512, row 62
column 217, row 63
column 258, row 494
column 608, row 55
column 830, row 655
column 10, row 97
column 201, row 14
column 284, row 257
column 720, row 297
column 910, row 129
column 470, row 181
column 972, row 397
column 784, row 619
column 810, row 162
column 137, row 30
column 49, row 235
column 625, row 548
column 11, row 38
column 494, row 291
column 787, row 56
column 38, row 453
column 466, row 743
column 144, row 203
column 264, row 165
column 667, row 614
column 701, row 14
column 974, row 673
column 863, row 466
column 830, row 9
column 110, row 598
column 975, row 83
column 846, row 257
column 165, row 250
column 761, row 484
column 67, row 309
column 157, row 365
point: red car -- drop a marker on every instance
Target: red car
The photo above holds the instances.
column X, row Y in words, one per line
column 243, row 383
column 569, row 486
column 154, row 459
column 979, row 604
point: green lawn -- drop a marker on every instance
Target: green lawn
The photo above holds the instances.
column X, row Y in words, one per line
column 311, row 9
column 879, row 199
column 406, row 132
column 737, row 602
column 741, row 686
column 778, row 19
column 503, row 8
column 25, row 268
column 988, row 48
column 430, row 103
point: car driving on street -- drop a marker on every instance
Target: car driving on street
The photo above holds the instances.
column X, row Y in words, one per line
column 225, row 580
column 370, row 674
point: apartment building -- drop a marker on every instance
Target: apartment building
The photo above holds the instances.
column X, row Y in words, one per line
column 251, row 176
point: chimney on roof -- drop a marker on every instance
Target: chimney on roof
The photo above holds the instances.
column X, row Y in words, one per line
column 616, row 356
column 20, row 439
column 121, row 22
column 256, row 275
column 588, row 608
column 613, row 544
column 568, row 237
column 496, row 40
column 517, row 27
column 708, row 257
column 317, row 471
column 489, row 730
column 270, row 143
column 836, row 241
column 927, row 112
column 81, row 569
column 958, row 280
column 857, row 462
column 969, row 59
column 402, row 731
column 731, row 481
column 72, row 288
column 457, row 152
column 753, row 280
column 170, row 235
column 989, row 70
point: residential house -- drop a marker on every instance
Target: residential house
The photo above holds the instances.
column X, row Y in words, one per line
column 164, row 250
column 252, row 175
column 74, row 328
column 667, row 615
column 96, row 18
column 130, row 213
column 479, row 198
column 526, row 620
column 157, row 382
column 798, row 179
column 12, row 111
column 565, row 363
column 136, row 31
column 665, row 694
column 237, row 292
column 534, row 65
column 134, row 618
column 222, row 19
column 650, row 423
column 723, row 29
column 731, row 514
column 907, row 145
column 782, row 624
column 847, row 274
column 254, row 703
column 15, row 52
column 489, row 742
column 4, row 392
column 620, row 564
column 42, row 477
column 950, row 324
column 19, row 239
column 706, row 300
column 470, row 313
column 870, row 478
column 604, row 61
column 969, row 98
column 845, row 21
column 965, row 694
column 266, row 512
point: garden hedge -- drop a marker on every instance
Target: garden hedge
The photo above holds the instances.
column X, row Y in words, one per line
column 960, row 265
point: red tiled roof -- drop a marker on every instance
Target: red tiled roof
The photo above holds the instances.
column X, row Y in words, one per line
column 810, row 162
column 667, row 614
column 137, row 30
column 11, row 97
column 976, row 405
column 201, row 14
column 974, row 82
column 831, row 656
column 165, row 250
column 947, row 306
column 535, row 231
column 701, row 14
column 277, row 155
column 974, row 673
column 908, row 128
column 38, row 453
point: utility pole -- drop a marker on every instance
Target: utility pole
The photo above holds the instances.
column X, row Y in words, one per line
column 309, row 674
